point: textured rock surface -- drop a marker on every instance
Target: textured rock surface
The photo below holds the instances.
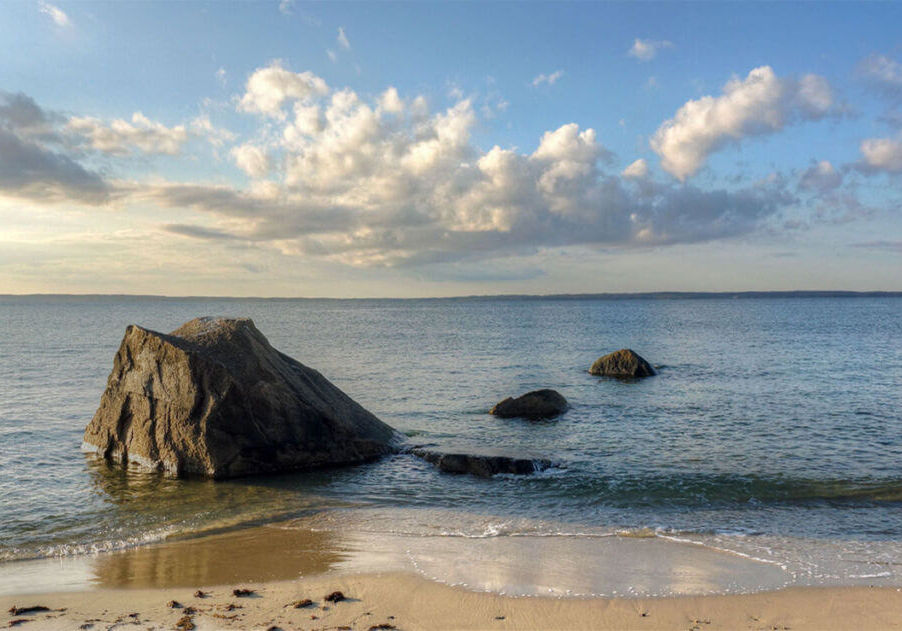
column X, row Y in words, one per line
column 481, row 465
column 537, row 404
column 213, row 398
column 625, row 364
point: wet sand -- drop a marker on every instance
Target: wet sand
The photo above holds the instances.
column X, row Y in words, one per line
column 421, row 582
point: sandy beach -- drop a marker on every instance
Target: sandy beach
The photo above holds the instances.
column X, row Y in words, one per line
column 422, row 583
column 406, row 602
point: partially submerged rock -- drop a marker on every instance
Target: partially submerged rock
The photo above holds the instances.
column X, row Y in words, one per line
column 213, row 398
column 538, row 404
column 624, row 364
column 483, row 466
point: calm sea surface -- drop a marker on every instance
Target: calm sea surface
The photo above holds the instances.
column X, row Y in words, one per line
column 773, row 430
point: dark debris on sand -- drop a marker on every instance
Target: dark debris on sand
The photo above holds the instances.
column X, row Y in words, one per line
column 334, row 597
column 242, row 593
column 300, row 604
column 185, row 623
column 24, row 611
column 200, row 594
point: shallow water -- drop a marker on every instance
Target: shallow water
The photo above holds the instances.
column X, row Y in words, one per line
column 772, row 430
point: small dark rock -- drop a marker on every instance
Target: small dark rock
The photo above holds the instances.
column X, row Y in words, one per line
column 190, row 611
column 499, row 617
column 232, row 607
column 535, row 405
column 174, row 604
column 300, row 604
column 134, row 615
column 623, row 364
column 484, row 466
column 200, row 594
column 334, row 597
column 242, row 593
column 24, row 611
column 384, row 625
column 185, row 623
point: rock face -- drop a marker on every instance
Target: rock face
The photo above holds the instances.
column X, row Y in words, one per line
column 213, row 398
column 535, row 405
column 483, row 466
column 624, row 364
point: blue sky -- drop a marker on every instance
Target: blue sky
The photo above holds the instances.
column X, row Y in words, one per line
column 769, row 135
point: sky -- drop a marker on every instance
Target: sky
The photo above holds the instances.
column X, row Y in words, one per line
column 439, row 149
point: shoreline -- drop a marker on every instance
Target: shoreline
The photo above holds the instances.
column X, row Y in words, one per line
column 422, row 582
column 411, row 603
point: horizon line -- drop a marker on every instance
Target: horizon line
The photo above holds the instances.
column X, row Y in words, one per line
column 663, row 294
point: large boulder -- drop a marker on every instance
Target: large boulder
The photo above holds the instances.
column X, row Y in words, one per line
column 623, row 364
column 482, row 465
column 538, row 404
column 213, row 398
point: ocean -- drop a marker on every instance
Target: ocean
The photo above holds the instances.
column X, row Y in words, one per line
column 773, row 430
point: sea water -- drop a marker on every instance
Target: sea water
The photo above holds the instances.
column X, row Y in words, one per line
column 773, row 430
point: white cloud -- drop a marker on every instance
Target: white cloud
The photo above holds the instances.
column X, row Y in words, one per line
column 882, row 154
column 56, row 14
column 120, row 137
column 269, row 88
column 332, row 56
column 760, row 104
column 638, row 170
column 252, row 160
column 221, row 76
column 202, row 127
column 647, row 49
column 821, row 177
column 389, row 101
column 342, row 39
column 386, row 182
column 550, row 79
column 884, row 72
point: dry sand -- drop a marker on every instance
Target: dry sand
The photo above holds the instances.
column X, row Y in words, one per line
column 409, row 602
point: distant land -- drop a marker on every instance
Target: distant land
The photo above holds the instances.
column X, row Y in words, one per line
column 653, row 295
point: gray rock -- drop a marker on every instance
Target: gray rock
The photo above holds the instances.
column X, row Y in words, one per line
column 213, row 398
column 535, row 405
column 624, row 364
column 483, row 466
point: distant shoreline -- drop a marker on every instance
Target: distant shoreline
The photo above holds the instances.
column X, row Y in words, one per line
column 654, row 295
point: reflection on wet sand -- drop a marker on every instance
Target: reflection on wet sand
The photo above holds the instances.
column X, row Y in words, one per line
column 516, row 565
column 252, row 555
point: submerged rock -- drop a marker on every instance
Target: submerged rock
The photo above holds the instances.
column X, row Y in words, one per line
column 625, row 364
column 483, row 466
column 537, row 404
column 213, row 398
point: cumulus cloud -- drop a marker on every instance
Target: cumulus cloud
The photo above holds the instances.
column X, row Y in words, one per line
column 647, row 49
column 762, row 103
column 884, row 73
column 821, row 178
column 549, row 79
column 252, row 160
column 56, row 14
column 121, row 137
column 881, row 155
column 637, row 170
column 387, row 182
column 342, row 39
column 269, row 88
